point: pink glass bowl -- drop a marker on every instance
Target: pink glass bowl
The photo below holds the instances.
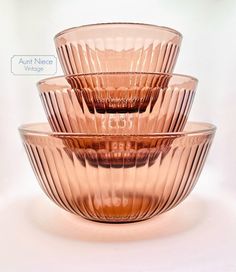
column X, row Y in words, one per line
column 118, row 102
column 118, row 47
column 117, row 178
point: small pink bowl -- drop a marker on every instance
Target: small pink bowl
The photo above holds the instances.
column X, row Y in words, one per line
column 118, row 47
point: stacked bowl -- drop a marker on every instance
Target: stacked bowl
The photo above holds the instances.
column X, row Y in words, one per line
column 118, row 147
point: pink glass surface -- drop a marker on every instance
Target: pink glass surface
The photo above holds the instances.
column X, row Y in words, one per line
column 118, row 102
column 118, row 47
column 117, row 178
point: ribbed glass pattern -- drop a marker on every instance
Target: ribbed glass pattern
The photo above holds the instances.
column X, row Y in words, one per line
column 115, row 178
column 118, row 47
column 118, row 102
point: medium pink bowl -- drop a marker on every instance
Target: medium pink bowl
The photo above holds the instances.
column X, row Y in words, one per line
column 118, row 102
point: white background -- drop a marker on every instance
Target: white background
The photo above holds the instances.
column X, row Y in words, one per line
column 199, row 235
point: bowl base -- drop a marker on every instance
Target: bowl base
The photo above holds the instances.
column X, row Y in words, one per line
column 125, row 209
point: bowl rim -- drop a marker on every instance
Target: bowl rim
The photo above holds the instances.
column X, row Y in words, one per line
column 71, row 29
column 207, row 128
column 46, row 80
